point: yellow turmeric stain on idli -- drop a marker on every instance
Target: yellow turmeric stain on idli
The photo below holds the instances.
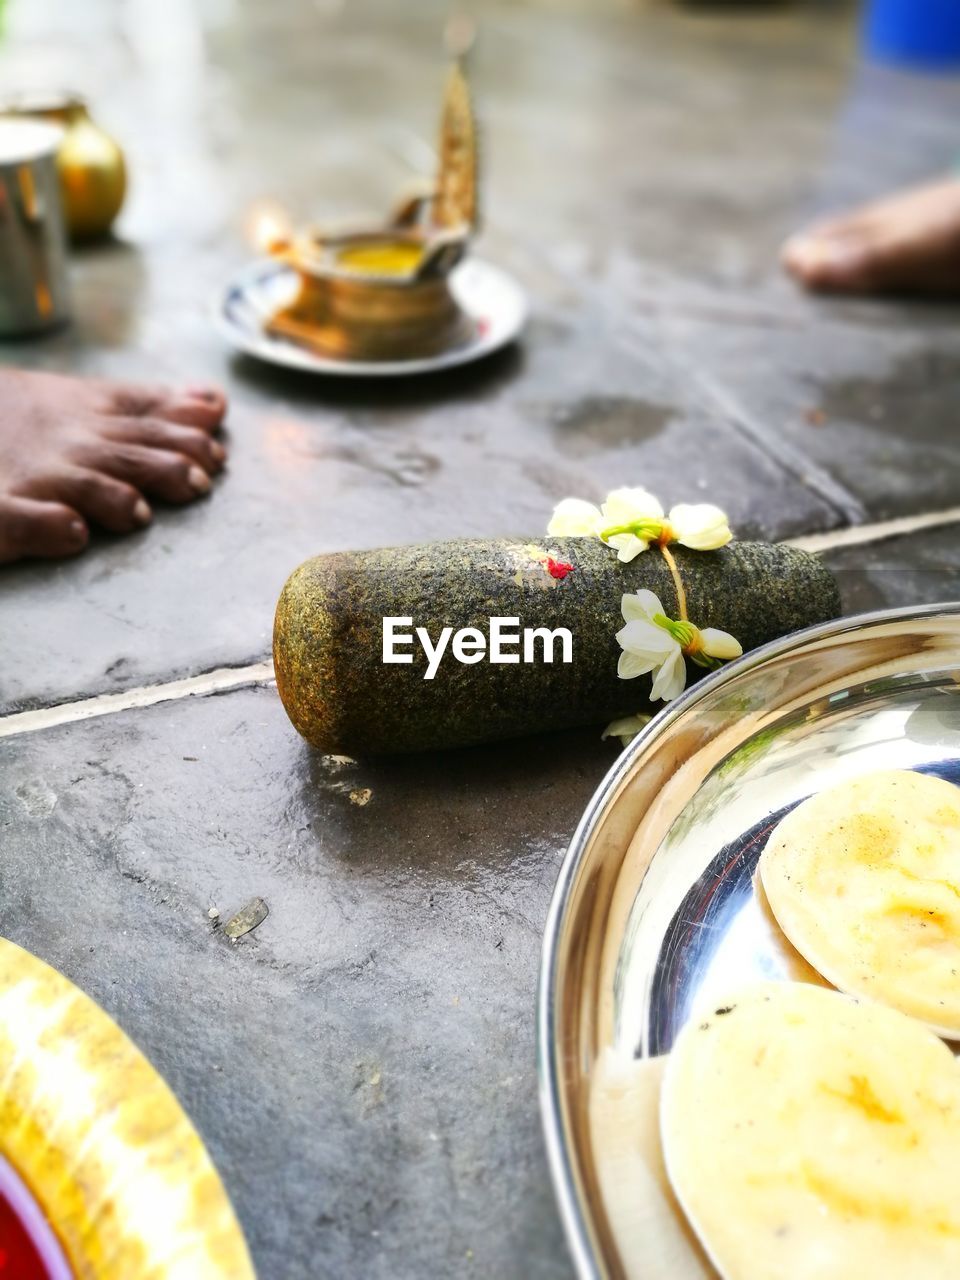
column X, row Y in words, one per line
column 892, row 1212
column 860, row 1094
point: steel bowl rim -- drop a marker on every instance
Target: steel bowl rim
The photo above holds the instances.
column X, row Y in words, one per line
column 559, row 1156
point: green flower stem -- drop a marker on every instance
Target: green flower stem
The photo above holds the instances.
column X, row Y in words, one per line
column 685, row 633
column 648, row 530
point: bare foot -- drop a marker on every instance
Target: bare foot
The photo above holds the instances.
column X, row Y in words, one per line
column 907, row 243
column 79, row 451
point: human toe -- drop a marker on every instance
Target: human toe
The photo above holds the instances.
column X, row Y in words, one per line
column 822, row 261
column 102, row 498
column 158, row 433
column 197, row 406
column 33, row 528
column 162, row 473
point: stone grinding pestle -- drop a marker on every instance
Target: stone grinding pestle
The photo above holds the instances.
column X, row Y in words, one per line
column 342, row 697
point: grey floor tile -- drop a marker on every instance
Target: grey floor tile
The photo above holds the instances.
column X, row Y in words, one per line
column 872, row 408
column 918, row 569
column 362, row 1065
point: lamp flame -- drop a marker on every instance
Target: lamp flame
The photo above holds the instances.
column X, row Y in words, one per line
column 268, row 226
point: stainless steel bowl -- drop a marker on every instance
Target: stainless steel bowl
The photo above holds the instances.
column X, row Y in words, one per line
column 34, row 286
column 654, row 905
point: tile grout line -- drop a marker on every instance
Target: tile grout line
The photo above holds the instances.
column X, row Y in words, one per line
column 227, row 679
column 222, row 680
column 880, row 531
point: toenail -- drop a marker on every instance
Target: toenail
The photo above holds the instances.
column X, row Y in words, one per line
column 217, row 451
column 825, row 255
column 204, row 393
column 198, row 480
column 78, row 531
column 141, row 512
column 845, row 257
column 804, row 253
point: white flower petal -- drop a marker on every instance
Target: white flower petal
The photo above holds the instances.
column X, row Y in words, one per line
column 627, row 545
column 646, row 639
column 574, row 518
column 631, row 665
column 720, row 644
column 623, row 506
column 700, row 525
column 642, row 605
column 670, row 679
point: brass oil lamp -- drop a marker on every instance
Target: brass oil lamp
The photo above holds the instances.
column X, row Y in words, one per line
column 383, row 292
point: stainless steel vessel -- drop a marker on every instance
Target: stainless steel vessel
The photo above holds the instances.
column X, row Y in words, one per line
column 34, row 287
column 654, row 908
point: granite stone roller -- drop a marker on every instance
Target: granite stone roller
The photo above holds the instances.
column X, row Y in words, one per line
column 343, row 697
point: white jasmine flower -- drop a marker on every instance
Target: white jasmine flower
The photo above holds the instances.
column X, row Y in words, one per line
column 700, row 525
column 626, row 729
column 653, row 643
column 649, row 646
column 630, row 519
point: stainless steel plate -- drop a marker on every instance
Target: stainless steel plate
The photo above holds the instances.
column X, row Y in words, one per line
column 654, row 907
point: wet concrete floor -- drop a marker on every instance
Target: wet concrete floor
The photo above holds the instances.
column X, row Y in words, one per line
column 362, row 1066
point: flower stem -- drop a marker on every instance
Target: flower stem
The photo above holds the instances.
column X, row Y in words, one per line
column 678, row 584
column 648, row 530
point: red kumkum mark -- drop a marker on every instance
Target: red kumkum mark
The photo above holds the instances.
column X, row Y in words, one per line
column 483, row 326
column 557, row 569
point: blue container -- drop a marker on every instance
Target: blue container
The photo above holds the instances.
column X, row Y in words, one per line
column 922, row 33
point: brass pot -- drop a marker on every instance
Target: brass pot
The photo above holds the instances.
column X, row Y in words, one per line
column 92, row 170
